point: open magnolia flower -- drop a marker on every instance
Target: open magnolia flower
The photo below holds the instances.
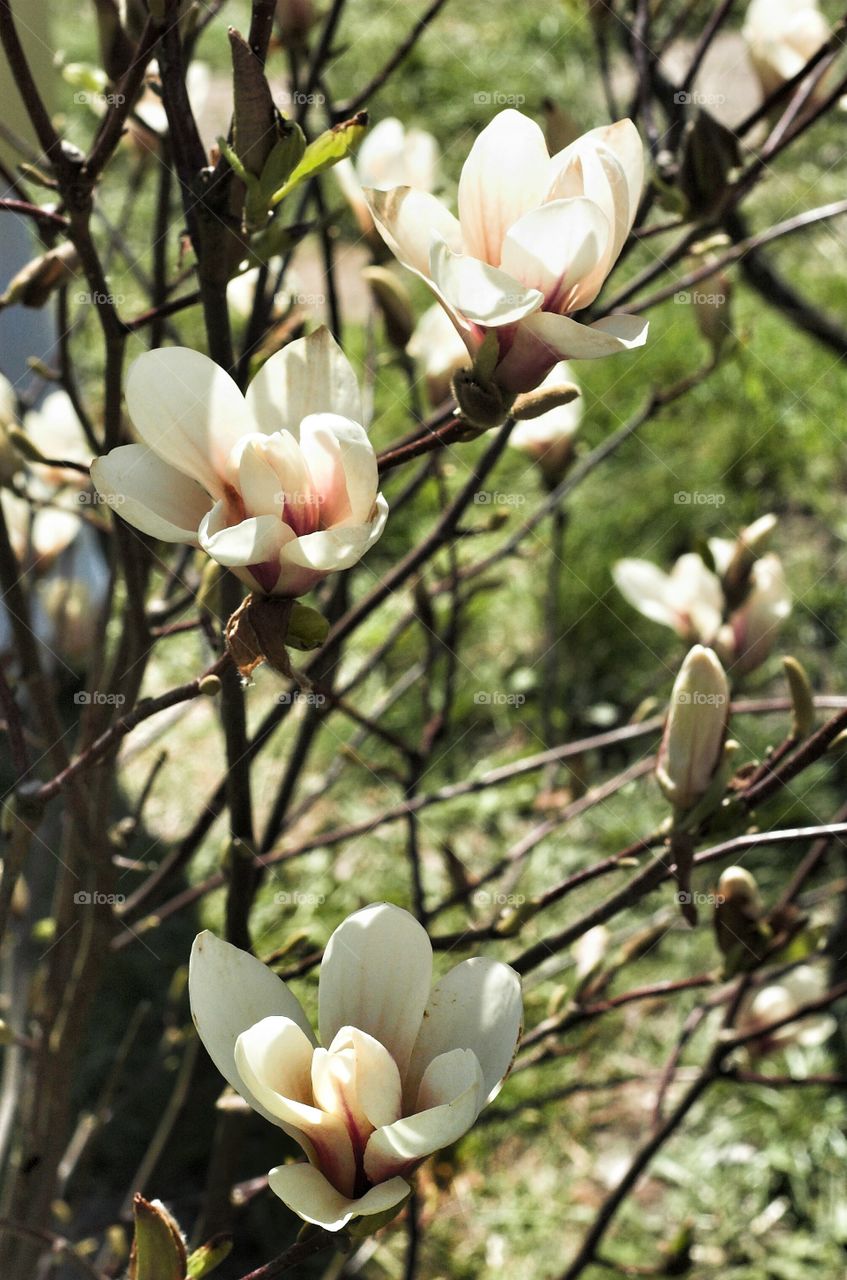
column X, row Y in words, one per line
column 782, row 35
column 697, row 602
column 535, row 239
column 280, row 485
column 403, row 1070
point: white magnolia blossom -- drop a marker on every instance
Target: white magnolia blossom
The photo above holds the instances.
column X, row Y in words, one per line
column 692, row 745
column 548, row 439
column 535, row 238
column 280, row 485
column 402, row 1069
column 747, row 638
column 438, row 352
column 800, row 986
column 689, row 599
column 390, row 156
column 782, row 35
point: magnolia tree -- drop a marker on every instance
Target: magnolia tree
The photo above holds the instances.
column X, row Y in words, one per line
column 252, row 543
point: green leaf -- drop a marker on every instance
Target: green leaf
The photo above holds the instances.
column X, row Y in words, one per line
column 208, row 1256
column 326, row 150
column 158, row 1250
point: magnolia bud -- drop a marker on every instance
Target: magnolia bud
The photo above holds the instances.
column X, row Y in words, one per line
column 158, row 1250
column 533, row 403
column 738, row 912
column 35, row 282
column 480, row 403
column 694, row 733
column 752, row 629
column 709, row 154
column 392, row 298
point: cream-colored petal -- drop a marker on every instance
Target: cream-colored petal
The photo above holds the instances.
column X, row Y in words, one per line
column 409, row 222
column 150, row 494
column 555, row 248
column 378, row 1087
column 309, row 375
column 188, row 411
column 398, row 1148
column 375, row 975
column 307, row 1193
column 259, row 1057
column 256, row 540
column 230, row 991
column 484, row 295
column 504, row 176
column 334, row 549
column 342, row 464
column 478, row 1006
column 648, row 589
column 542, row 339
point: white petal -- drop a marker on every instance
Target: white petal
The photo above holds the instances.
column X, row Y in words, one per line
column 542, row 339
column 555, row 248
column 398, row 1148
column 342, row 464
column 504, row 176
column 608, row 166
column 309, row 375
column 256, row 540
column 308, row 1194
column 260, row 1058
column 188, row 411
column 448, row 1076
column 375, row 975
column 377, row 1090
column 482, row 294
column 150, row 494
column 333, row 549
column 409, row 222
column 648, row 589
column 230, row 991
column 477, row 1006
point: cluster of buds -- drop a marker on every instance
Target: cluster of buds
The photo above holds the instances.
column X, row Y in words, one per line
column 736, row 604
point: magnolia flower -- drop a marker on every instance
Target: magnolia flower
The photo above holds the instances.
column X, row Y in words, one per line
column 689, row 598
column 390, row 156
column 770, row 1004
column 438, row 351
column 55, row 430
column 401, row 1072
column 548, row 439
column 534, row 241
column 782, row 36
column 279, row 485
column 692, row 745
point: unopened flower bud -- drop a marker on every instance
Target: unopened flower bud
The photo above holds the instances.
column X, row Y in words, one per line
column 696, row 726
column 738, row 912
column 749, row 545
column 532, row 404
column 158, row 1250
column 480, row 403
column 35, row 282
